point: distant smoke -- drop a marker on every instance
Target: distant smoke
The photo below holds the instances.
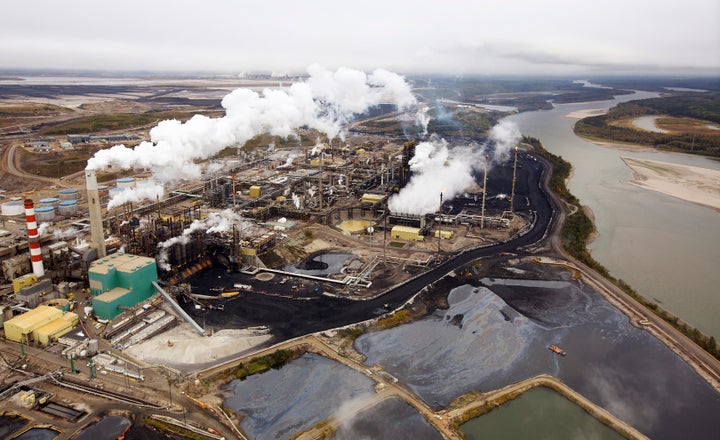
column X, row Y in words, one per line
column 326, row 101
column 436, row 169
column 505, row 135
column 216, row 222
column 136, row 194
column 296, row 200
column 291, row 157
column 422, row 119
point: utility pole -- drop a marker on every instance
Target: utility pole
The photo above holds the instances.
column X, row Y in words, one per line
column 512, row 194
column 482, row 211
column 440, row 225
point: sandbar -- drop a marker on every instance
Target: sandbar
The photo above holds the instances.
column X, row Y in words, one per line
column 693, row 184
column 579, row 114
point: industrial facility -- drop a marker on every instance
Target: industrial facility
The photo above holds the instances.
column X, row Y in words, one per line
column 253, row 213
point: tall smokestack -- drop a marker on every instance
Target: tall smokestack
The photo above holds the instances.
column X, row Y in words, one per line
column 96, row 226
column 34, row 239
column 482, row 212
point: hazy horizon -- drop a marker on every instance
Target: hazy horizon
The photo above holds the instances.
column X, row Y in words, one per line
column 552, row 38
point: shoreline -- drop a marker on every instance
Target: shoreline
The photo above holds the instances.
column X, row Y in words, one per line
column 690, row 183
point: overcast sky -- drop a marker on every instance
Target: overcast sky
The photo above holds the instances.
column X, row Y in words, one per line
column 554, row 37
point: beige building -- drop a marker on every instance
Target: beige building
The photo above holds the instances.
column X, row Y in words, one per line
column 406, row 233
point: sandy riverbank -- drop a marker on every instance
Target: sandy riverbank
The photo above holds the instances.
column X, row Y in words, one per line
column 694, row 184
column 579, row 114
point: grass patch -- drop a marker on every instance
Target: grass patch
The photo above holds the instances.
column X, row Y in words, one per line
column 275, row 360
column 400, row 317
column 115, row 121
column 575, row 234
column 32, row 110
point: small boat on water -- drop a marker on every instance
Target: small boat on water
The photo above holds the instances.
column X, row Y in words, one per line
column 556, row 349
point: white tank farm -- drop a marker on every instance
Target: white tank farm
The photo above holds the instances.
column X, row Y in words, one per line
column 50, row 201
column 69, row 194
column 125, row 182
column 145, row 183
column 67, row 207
column 44, row 213
column 12, row 208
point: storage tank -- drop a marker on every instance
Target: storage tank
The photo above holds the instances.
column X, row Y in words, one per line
column 12, row 208
column 93, row 346
column 103, row 190
column 67, row 207
column 145, row 183
column 50, row 201
column 125, row 182
column 115, row 191
column 44, row 213
column 69, row 194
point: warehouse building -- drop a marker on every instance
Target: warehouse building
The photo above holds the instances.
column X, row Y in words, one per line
column 42, row 325
column 406, row 233
column 120, row 281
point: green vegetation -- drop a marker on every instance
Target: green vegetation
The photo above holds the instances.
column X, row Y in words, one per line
column 53, row 164
column 115, row 121
column 274, row 360
column 704, row 107
column 575, row 233
column 400, row 317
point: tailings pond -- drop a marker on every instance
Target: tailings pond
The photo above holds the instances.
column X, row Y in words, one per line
column 310, row 389
column 497, row 333
column 540, row 413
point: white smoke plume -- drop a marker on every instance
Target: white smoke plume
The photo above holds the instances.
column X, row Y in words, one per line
column 216, row 222
column 436, row 169
column 291, row 157
column 43, row 228
column 317, row 148
column 64, row 234
column 136, row 194
column 505, row 135
column 296, row 200
column 325, row 102
column 422, row 119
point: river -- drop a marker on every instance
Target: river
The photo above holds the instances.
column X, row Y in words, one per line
column 666, row 248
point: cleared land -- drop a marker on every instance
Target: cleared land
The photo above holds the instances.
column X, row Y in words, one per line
column 694, row 184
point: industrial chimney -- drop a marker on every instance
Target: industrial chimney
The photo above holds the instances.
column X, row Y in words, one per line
column 96, row 227
column 34, row 239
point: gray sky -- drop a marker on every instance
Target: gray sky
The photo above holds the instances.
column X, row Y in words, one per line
column 453, row 37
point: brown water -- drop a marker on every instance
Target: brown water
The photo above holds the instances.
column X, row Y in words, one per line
column 666, row 248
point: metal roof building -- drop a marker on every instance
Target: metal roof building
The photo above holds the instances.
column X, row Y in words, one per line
column 119, row 281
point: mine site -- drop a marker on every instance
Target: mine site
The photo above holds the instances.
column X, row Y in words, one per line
column 325, row 256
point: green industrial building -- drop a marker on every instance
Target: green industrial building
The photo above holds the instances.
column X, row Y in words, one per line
column 120, row 281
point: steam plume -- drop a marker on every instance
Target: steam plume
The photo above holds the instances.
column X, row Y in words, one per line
column 325, row 102
column 135, row 194
column 436, row 169
column 505, row 135
column 216, row 222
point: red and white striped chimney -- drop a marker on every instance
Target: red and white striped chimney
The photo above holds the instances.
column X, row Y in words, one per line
column 34, row 239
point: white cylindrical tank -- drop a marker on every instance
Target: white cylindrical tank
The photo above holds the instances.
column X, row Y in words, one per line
column 50, row 201
column 69, row 194
column 12, row 208
column 67, row 207
column 44, row 213
column 125, row 182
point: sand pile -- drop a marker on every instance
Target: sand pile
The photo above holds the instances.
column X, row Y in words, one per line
column 188, row 347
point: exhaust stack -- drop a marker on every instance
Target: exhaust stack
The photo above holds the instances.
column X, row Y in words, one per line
column 34, row 239
column 96, row 226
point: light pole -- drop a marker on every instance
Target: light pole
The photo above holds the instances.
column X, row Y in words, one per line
column 440, row 224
